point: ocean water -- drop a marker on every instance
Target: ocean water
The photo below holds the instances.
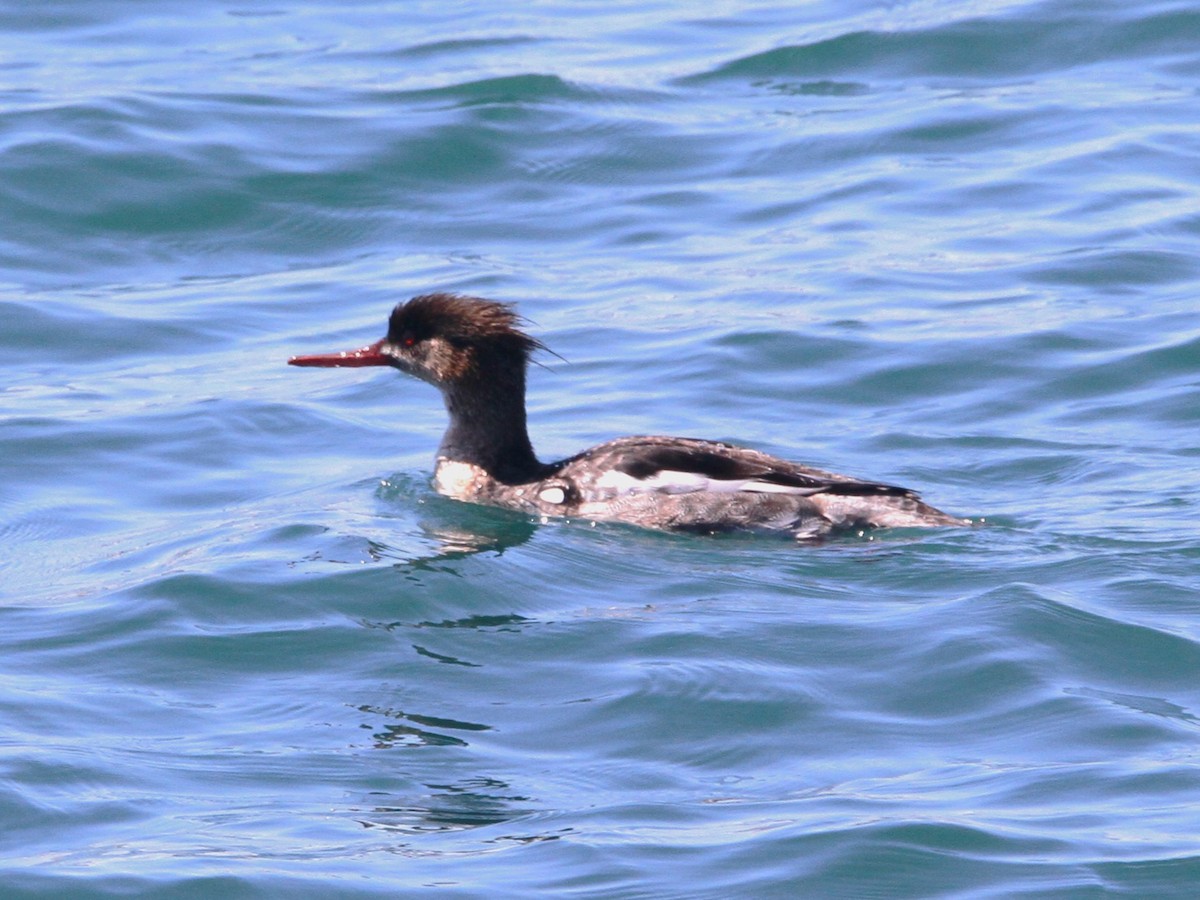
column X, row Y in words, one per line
column 245, row 651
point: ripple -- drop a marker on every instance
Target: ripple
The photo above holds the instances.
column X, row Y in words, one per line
column 933, row 243
column 977, row 48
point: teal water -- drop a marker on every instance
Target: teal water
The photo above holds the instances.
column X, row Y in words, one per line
column 246, row 652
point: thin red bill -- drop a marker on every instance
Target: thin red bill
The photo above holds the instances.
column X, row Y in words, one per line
column 364, row 356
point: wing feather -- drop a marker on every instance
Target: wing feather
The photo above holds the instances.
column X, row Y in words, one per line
column 719, row 468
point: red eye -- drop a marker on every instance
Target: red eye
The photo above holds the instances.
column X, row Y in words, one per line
column 408, row 340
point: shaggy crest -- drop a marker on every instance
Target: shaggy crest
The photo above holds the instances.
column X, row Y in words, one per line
column 462, row 321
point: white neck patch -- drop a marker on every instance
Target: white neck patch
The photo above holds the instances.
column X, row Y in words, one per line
column 459, row 480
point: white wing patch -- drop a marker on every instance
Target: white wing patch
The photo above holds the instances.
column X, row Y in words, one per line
column 670, row 481
column 553, row 494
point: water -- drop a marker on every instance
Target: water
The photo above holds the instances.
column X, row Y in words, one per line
column 245, row 651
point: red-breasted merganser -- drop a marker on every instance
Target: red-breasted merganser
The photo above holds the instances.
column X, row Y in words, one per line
column 474, row 351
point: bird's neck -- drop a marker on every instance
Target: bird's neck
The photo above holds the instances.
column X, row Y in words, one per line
column 487, row 427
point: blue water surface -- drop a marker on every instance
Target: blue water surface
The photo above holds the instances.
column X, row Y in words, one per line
column 245, row 650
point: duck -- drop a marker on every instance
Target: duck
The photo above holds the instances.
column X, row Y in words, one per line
column 476, row 352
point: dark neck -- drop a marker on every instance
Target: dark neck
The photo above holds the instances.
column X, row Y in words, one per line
column 487, row 427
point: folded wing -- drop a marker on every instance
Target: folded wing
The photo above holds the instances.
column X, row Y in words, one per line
column 681, row 467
